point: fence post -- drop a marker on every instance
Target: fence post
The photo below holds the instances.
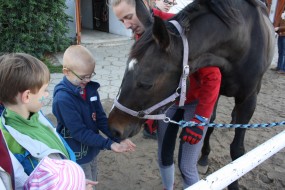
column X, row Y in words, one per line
column 233, row 171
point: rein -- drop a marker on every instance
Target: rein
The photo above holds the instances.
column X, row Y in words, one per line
column 146, row 114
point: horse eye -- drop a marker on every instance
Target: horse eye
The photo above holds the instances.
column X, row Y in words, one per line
column 143, row 85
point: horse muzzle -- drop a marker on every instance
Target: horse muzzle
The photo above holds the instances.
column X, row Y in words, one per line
column 123, row 125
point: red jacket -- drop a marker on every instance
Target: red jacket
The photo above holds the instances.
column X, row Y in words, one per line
column 204, row 87
column 204, row 83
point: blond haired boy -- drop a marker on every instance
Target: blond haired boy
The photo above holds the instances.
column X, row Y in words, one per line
column 79, row 112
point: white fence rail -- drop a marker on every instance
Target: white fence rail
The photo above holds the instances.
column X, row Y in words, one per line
column 239, row 167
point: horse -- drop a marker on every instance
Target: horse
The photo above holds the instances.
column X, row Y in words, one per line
column 236, row 36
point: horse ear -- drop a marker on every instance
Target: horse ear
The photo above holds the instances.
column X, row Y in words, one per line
column 160, row 33
column 143, row 13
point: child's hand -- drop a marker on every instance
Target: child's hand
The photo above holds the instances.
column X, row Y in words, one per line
column 124, row 146
column 90, row 184
column 129, row 143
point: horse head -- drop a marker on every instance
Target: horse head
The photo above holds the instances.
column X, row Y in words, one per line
column 153, row 70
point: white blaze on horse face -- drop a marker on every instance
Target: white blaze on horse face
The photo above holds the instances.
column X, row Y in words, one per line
column 132, row 64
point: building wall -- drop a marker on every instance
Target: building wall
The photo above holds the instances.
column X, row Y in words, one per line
column 71, row 12
column 115, row 26
column 86, row 14
column 272, row 10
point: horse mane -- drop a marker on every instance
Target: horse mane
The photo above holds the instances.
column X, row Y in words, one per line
column 262, row 4
column 141, row 45
column 226, row 10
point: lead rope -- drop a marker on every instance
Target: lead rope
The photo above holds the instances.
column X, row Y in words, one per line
column 183, row 124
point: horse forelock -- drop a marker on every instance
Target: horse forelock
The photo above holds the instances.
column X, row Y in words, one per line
column 141, row 45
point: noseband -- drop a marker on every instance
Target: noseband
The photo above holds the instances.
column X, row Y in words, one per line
column 145, row 114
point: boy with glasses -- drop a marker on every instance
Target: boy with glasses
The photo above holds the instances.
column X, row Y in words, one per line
column 79, row 112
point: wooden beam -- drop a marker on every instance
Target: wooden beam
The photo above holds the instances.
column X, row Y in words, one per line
column 78, row 21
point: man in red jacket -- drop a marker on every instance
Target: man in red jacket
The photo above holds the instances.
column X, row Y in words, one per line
column 201, row 98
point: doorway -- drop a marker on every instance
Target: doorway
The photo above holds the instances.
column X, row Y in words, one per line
column 100, row 15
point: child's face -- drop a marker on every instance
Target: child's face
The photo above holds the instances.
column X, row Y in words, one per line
column 80, row 77
column 39, row 99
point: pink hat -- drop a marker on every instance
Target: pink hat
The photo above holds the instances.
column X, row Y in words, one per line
column 51, row 174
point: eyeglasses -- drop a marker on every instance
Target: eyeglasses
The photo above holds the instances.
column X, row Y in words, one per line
column 86, row 77
column 169, row 2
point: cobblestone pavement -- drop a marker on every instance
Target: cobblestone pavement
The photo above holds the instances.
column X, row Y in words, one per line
column 110, row 53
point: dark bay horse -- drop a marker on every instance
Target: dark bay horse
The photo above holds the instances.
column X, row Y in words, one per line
column 234, row 35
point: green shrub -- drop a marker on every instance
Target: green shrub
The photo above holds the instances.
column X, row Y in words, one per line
column 52, row 67
column 34, row 27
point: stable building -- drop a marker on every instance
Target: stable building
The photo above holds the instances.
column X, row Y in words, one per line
column 94, row 15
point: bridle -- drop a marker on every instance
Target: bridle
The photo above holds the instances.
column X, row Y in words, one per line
column 145, row 114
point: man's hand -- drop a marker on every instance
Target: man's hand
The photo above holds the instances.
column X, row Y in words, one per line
column 192, row 135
